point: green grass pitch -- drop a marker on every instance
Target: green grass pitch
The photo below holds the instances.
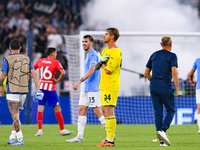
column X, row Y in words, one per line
column 182, row 137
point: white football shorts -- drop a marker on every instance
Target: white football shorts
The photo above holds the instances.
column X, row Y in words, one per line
column 197, row 96
column 90, row 99
column 18, row 98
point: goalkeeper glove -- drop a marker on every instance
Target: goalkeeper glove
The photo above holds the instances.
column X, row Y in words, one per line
column 38, row 96
column 104, row 58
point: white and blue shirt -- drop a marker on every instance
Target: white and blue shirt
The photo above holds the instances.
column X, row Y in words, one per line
column 92, row 83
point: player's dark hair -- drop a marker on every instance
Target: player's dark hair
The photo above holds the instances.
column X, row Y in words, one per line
column 15, row 44
column 114, row 32
column 166, row 40
column 90, row 37
column 50, row 50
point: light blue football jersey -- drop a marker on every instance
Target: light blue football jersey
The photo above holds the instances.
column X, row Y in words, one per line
column 92, row 83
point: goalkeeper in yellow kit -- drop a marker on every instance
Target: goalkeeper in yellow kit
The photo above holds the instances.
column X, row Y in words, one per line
column 110, row 61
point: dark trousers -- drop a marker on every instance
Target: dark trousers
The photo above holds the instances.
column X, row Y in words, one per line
column 163, row 96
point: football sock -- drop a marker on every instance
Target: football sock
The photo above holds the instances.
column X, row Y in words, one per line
column 19, row 135
column 60, row 120
column 13, row 134
column 198, row 120
column 102, row 120
column 39, row 119
column 110, row 127
column 82, row 120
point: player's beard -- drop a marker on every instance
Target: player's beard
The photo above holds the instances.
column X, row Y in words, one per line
column 86, row 48
column 107, row 40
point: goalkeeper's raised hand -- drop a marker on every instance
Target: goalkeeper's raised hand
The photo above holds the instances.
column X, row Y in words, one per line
column 104, row 58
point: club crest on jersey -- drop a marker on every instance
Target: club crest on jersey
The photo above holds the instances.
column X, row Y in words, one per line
column 46, row 62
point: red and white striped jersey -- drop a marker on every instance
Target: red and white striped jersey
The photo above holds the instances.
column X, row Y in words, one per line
column 47, row 70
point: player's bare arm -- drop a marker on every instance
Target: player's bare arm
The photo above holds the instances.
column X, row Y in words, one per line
column 147, row 73
column 2, row 78
column 35, row 79
column 98, row 66
column 176, row 81
column 106, row 70
column 1, row 90
column 86, row 76
column 192, row 76
column 62, row 74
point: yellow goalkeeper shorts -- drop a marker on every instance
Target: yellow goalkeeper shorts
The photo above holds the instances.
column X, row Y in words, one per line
column 109, row 98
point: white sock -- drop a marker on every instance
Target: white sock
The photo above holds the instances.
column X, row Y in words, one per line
column 102, row 120
column 81, row 125
column 19, row 135
column 110, row 140
column 13, row 134
column 198, row 120
column 40, row 130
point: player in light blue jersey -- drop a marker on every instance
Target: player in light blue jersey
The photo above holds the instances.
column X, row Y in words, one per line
column 92, row 83
column 90, row 94
column 195, row 67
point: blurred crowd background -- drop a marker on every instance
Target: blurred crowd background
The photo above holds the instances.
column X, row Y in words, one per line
column 48, row 19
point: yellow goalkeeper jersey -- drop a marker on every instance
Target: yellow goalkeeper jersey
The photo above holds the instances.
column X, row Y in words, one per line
column 111, row 82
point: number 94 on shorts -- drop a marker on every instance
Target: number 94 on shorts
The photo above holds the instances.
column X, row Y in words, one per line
column 109, row 98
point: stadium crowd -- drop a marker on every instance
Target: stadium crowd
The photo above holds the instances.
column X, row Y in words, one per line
column 19, row 16
column 48, row 19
